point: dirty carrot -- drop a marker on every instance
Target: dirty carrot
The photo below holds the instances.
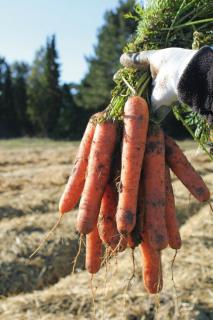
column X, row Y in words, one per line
column 93, row 251
column 153, row 176
column 136, row 119
column 75, row 184
column 151, row 265
column 102, row 149
column 106, row 223
column 181, row 167
column 135, row 237
column 170, row 215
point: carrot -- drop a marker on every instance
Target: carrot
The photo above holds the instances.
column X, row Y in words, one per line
column 136, row 119
column 152, row 269
column 134, row 239
column 93, row 251
column 181, row 167
column 98, row 174
column 153, row 176
column 75, row 184
column 107, row 225
column 116, row 169
column 170, row 216
column 135, row 236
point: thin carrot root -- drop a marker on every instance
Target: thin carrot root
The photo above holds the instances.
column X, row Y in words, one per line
column 121, row 246
column 157, row 303
column 46, row 237
column 107, row 265
column 93, row 295
column 133, row 267
column 177, row 309
column 210, row 207
column 80, row 241
column 172, row 267
column 128, row 286
column 106, row 257
column 160, row 275
column 159, row 288
column 110, row 253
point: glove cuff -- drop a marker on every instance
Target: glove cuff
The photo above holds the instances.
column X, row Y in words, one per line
column 195, row 87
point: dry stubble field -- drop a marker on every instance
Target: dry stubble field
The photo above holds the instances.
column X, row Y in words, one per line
column 32, row 177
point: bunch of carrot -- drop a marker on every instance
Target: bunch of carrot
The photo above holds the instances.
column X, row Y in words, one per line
column 122, row 178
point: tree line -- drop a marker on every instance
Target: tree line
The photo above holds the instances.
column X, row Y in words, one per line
column 33, row 102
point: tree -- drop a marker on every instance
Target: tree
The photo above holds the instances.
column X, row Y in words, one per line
column 94, row 90
column 8, row 116
column 20, row 72
column 53, row 93
column 72, row 119
column 36, row 104
column 44, row 94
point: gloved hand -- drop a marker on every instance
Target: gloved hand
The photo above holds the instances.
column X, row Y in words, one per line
column 178, row 74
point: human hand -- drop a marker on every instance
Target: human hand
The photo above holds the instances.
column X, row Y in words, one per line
column 178, row 74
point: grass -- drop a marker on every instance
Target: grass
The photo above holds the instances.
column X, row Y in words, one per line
column 31, row 143
column 188, row 144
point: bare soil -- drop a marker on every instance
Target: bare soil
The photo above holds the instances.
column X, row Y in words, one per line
column 32, row 178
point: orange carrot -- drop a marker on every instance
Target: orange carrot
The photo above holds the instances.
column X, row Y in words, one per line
column 152, row 269
column 116, row 169
column 134, row 239
column 98, row 174
column 181, row 167
column 135, row 236
column 153, row 176
column 107, row 225
column 170, row 216
column 93, row 251
column 136, row 119
column 75, row 184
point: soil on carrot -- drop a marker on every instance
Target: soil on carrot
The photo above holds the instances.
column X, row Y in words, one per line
column 32, row 178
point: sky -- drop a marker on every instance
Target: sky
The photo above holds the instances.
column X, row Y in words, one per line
column 25, row 25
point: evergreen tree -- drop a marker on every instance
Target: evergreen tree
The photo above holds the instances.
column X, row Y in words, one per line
column 8, row 116
column 53, row 93
column 72, row 119
column 44, row 95
column 20, row 72
column 36, row 91
column 94, row 90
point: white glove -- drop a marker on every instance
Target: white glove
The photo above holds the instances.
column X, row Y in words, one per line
column 178, row 74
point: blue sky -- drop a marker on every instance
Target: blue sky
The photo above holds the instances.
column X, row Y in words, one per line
column 25, row 25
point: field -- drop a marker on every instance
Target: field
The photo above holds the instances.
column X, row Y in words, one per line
column 32, row 177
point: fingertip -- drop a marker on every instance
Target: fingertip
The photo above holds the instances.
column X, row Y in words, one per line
column 139, row 60
column 130, row 59
column 125, row 59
